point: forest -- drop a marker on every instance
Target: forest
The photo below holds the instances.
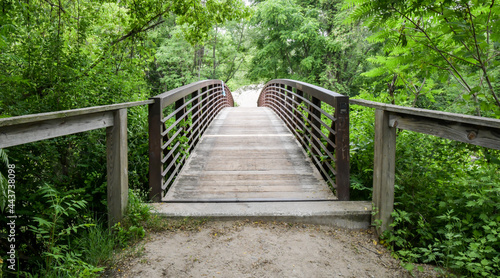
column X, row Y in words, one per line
column 66, row 54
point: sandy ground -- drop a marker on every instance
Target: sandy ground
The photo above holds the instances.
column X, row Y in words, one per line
column 247, row 96
column 259, row 249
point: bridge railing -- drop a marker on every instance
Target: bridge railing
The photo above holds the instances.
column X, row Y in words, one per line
column 32, row 128
column 177, row 119
column 299, row 105
column 479, row 131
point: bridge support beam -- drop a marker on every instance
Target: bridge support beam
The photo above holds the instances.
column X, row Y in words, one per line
column 117, row 164
column 383, row 171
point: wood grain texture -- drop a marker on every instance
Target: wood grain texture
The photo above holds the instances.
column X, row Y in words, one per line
column 439, row 115
column 468, row 133
column 248, row 154
column 383, row 170
column 27, row 132
column 117, row 167
column 34, row 118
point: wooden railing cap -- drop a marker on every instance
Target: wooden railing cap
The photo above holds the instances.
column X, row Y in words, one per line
column 33, row 118
column 445, row 116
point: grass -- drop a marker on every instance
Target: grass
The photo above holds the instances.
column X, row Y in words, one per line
column 98, row 245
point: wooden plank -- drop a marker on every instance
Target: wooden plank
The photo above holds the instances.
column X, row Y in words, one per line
column 264, row 165
column 383, row 171
column 23, row 132
column 33, row 118
column 440, row 115
column 468, row 133
column 245, row 196
column 117, row 167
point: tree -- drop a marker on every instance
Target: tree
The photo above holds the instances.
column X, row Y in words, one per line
column 447, row 38
column 57, row 55
column 306, row 40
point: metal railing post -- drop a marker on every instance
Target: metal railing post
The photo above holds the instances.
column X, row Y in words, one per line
column 315, row 125
column 342, row 147
column 155, row 151
column 326, row 142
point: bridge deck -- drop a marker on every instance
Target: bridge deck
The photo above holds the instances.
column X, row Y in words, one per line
column 248, row 154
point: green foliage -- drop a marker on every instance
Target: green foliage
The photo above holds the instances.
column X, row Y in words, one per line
column 197, row 18
column 66, row 55
column 3, row 180
column 447, row 197
column 131, row 228
column 138, row 148
column 447, row 205
column 308, row 42
column 446, row 41
column 51, row 231
column 97, row 244
column 178, row 62
column 362, row 134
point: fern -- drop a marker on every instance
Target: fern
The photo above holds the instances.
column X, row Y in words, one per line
column 3, row 181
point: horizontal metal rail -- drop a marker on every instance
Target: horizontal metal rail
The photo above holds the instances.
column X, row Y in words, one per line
column 190, row 110
column 319, row 119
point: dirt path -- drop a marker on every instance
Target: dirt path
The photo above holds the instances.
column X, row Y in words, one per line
column 258, row 249
column 247, row 96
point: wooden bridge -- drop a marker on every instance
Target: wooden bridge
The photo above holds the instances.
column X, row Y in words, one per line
column 248, row 155
column 293, row 149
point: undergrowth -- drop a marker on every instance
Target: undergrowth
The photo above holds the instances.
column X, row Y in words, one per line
column 447, row 199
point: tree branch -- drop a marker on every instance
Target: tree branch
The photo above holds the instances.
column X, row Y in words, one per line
column 435, row 48
column 488, row 22
column 483, row 66
column 132, row 33
column 55, row 6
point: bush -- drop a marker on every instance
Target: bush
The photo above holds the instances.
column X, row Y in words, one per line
column 447, row 205
column 447, row 198
column 132, row 227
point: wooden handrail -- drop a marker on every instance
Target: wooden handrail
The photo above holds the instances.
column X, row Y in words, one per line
column 475, row 130
column 454, row 117
column 31, row 128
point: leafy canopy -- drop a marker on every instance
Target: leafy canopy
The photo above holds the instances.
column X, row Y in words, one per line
column 454, row 38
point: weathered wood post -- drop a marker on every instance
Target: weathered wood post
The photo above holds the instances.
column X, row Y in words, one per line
column 155, row 151
column 383, row 171
column 117, row 166
column 341, row 138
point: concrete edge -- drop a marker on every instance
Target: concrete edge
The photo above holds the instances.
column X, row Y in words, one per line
column 343, row 214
